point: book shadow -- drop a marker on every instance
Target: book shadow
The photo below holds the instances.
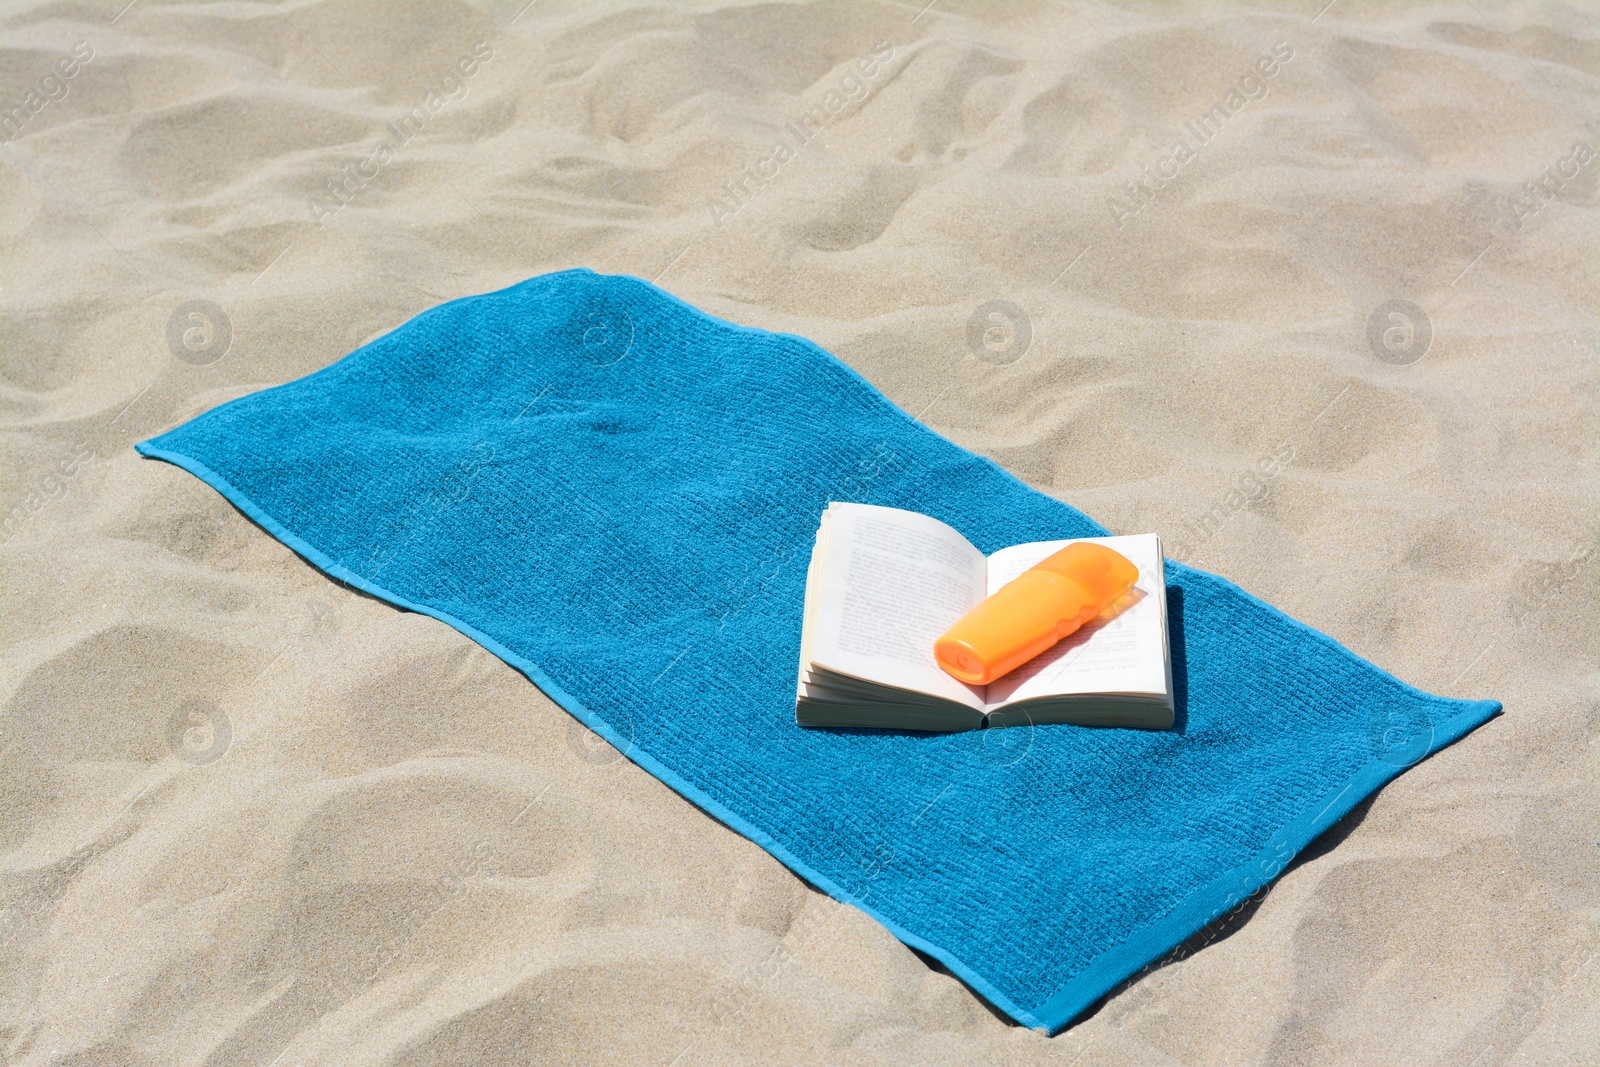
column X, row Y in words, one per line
column 1179, row 655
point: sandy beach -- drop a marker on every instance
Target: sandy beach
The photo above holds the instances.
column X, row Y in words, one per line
column 1310, row 290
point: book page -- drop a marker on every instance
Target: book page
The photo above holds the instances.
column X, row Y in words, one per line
column 1125, row 653
column 887, row 585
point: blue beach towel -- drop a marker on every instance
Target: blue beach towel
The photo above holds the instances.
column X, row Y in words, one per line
column 617, row 494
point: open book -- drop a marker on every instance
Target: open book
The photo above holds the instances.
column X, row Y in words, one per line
column 885, row 583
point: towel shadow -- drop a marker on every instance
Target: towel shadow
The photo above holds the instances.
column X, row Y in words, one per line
column 939, row 968
column 1213, row 933
column 931, row 962
column 1224, row 927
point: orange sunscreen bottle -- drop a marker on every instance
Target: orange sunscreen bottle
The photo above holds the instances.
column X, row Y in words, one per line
column 1029, row 614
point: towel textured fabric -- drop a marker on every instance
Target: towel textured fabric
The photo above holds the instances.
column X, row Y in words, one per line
column 617, row 494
